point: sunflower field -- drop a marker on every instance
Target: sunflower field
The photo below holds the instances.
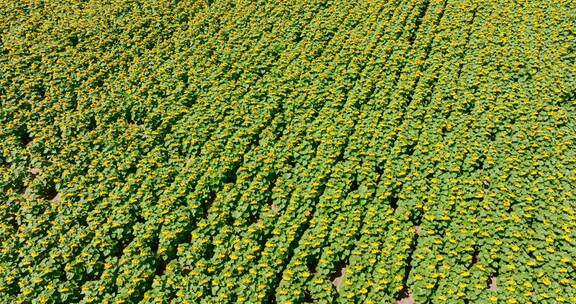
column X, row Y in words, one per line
column 287, row 151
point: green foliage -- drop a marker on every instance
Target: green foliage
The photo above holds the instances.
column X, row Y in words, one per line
column 287, row 151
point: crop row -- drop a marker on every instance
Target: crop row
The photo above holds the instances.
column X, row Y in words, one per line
column 287, row 152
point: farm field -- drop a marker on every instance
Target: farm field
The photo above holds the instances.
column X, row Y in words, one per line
column 319, row 151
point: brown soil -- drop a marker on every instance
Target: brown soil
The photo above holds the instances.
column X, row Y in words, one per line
column 407, row 300
column 339, row 280
column 493, row 284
